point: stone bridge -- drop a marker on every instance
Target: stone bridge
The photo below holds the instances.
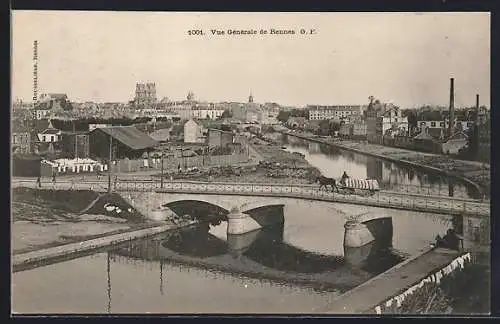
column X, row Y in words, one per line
column 384, row 199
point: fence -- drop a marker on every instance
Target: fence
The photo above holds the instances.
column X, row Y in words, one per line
column 171, row 163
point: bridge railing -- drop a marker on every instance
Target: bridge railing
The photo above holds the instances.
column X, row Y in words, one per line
column 382, row 199
column 387, row 199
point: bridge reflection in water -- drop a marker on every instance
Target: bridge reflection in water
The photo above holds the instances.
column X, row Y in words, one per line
column 263, row 254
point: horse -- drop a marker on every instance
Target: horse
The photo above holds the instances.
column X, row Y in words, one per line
column 324, row 181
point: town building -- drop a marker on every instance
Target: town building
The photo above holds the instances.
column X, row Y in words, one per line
column 455, row 143
column 127, row 142
column 94, row 126
column 429, row 141
column 380, row 118
column 219, row 138
column 329, row 112
column 345, row 130
column 444, row 124
column 145, row 94
column 249, row 112
column 21, row 137
column 193, row 132
column 50, row 103
column 50, row 134
column 206, row 112
column 161, row 135
column 296, row 122
column 392, row 121
column 359, row 129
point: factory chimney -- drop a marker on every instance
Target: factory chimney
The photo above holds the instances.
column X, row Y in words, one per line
column 451, row 110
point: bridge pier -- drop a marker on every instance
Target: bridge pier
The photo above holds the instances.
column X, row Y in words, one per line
column 240, row 223
column 357, row 234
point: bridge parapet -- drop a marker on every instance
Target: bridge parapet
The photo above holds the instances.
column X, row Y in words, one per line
column 398, row 200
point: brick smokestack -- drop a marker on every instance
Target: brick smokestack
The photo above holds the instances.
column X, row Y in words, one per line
column 477, row 111
column 451, row 111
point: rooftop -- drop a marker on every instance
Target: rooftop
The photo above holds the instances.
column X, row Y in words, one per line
column 338, row 107
column 129, row 135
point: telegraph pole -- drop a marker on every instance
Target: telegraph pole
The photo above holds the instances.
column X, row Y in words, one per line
column 161, row 178
column 76, row 140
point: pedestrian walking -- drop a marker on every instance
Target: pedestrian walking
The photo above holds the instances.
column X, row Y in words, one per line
column 53, row 178
column 39, row 182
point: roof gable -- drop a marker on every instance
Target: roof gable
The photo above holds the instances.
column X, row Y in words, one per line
column 458, row 135
column 129, row 136
column 424, row 136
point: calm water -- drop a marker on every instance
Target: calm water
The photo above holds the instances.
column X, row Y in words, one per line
column 332, row 162
column 296, row 268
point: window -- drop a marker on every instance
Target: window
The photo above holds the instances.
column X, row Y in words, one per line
column 433, row 124
column 469, row 124
column 43, row 138
column 422, row 124
column 441, row 124
column 52, row 138
column 395, row 120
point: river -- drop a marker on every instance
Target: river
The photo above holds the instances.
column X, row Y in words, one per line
column 333, row 161
column 298, row 268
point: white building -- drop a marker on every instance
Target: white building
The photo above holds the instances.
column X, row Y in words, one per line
column 49, row 135
column 206, row 113
column 192, row 132
column 331, row 112
column 423, row 124
column 392, row 119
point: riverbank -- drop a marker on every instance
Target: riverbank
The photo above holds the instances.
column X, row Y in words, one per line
column 44, row 219
column 476, row 173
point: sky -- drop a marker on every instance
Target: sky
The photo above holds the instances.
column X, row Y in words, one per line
column 403, row 58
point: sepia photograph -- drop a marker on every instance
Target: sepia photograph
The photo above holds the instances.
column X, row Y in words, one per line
column 188, row 163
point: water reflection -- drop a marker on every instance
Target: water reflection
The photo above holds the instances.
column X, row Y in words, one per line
column 289, row 269
column 108, row 271
column 332, row 162
column 263, row 254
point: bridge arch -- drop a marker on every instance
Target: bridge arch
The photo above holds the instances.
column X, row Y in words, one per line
column 200, row 209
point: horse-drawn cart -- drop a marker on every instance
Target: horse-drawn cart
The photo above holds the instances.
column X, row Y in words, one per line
column 359, row 185
column 349, row 186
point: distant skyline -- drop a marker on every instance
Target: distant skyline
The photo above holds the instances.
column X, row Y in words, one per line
column 404, row 58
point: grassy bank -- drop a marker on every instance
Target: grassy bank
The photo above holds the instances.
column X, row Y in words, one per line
column 47, row 218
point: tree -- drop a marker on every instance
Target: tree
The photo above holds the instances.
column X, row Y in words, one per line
column 226, row 114
column 334, row 127
column 283, row 116
column 324, row 127
column 412, row 117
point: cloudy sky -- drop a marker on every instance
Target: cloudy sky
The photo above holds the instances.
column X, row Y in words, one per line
column 405, row 58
